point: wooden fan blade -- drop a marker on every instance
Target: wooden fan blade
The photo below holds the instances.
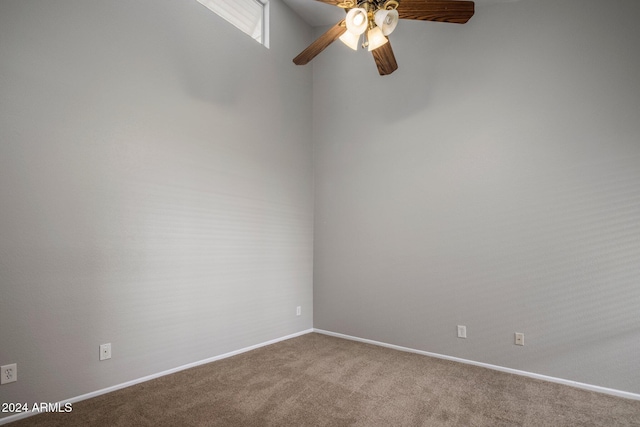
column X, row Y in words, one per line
column 455, row 11
column 320, row 44
column 385, row 59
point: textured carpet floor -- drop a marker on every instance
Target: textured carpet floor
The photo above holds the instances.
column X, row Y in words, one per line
column 317, row 380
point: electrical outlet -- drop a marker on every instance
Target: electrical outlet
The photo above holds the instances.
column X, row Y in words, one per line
column 298, row 311
column 519, row 338
column 9, row 373
column 105, row 351
column 462, row 331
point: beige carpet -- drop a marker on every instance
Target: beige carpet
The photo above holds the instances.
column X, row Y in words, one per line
column 316, row 380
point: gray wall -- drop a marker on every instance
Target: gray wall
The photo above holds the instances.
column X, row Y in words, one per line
column 155, row 189
column 492, row 181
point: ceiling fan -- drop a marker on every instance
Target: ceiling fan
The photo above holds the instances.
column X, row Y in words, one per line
column 376, row 19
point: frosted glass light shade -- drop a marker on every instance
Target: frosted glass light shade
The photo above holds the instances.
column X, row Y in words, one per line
column 387, row 20
column 376, row 38
column 357, row 21
column 350, row 39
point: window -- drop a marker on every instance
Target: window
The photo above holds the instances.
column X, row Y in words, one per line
column 250, row 16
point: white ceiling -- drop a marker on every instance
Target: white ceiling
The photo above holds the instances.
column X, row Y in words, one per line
column 320, row 14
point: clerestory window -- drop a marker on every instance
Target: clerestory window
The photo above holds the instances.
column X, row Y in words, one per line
column 250, row 16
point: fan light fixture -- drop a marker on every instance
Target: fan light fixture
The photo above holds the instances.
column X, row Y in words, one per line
column 374, row 20
column 350, row 39
column 387, row 20
column 357, row 21
column 380, row 18
column 376, row 38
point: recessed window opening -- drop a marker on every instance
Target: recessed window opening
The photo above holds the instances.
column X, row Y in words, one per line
column 250, row 16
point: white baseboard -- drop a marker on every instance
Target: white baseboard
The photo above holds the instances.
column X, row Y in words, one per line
column 576, row 384
column 86, row 396
column 610, row 391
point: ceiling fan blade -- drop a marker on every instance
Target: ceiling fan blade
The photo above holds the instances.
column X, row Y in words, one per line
column 320, row 44
column 385, row 59
column 455, row 11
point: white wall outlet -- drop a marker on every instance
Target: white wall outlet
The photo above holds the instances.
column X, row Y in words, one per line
column 298, row 311
column 519, row 338
column 9, row 373
column 105, row 351
column 462, row 331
